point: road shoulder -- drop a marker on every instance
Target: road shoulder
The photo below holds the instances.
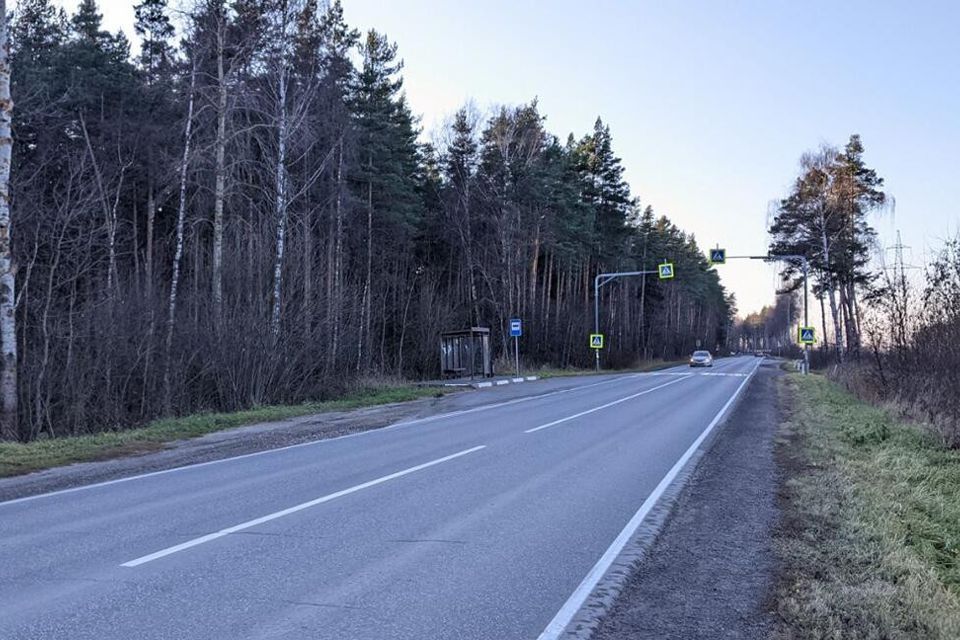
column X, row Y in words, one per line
column 709, row 570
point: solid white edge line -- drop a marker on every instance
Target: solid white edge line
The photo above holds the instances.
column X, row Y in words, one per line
column 294, row 509
column 558, row 625
column 604, row 406
column 367, row 432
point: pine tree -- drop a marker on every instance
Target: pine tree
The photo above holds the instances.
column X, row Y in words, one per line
column 38, row 28
column 387, row 157
column 857, row 191
column 604, row 189
column 87, row 23
column 460, row 165
column 155, row 31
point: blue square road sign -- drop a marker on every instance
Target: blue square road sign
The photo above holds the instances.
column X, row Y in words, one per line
column 516, row 328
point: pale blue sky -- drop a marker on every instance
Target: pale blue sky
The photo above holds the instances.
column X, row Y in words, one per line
column 710, row 103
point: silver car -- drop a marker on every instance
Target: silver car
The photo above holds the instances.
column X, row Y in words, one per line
column 701, row 359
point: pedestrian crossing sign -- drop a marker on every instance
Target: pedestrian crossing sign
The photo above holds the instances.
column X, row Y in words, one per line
column 718, row 256
column 666, row 271
column 596, row 341
column 807, row 335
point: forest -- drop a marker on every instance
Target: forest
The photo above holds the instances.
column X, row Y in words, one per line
column 246, row 212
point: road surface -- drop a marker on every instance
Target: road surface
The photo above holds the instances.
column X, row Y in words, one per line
column 488, row 523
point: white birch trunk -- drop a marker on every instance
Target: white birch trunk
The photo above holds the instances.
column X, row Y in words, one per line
column 178, row 251
column 308, row 271
column 219, row 188
column 8, row 334
column 109, row 215
column 338, row 257
column 829, row 285
column 365, row 319
column 148, row 258
column 281, row 203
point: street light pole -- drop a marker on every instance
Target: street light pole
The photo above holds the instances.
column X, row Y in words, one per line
column 806, row 320
column 600, row 280
column 806, row 269
column 596, row 318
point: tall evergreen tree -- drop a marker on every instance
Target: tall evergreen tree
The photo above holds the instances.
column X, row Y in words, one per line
column 604, row 189
column 386, row 163
column 156, row 33
column 87, row 24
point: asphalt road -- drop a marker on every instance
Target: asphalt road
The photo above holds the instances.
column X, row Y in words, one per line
column 488, row 523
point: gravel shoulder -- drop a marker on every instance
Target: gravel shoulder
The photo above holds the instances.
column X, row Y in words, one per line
column 710, row 571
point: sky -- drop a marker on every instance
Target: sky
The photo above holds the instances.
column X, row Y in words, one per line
column 710, row 104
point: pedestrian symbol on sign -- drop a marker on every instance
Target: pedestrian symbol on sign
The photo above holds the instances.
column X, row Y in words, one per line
column 807, row 335
column 718, row 256
column 666, row 271
column 596, row 341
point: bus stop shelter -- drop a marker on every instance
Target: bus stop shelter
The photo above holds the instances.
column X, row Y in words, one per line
column 466, row 353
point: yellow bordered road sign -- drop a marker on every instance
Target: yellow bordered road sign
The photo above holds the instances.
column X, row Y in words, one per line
column 718, row 256
column 596, row 341
column 666, row 271
column 806, row 335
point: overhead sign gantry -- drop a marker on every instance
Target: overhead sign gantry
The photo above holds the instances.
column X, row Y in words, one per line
column 806, row 334
column 664, row 271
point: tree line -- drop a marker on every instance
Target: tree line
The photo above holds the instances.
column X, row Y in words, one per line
column 247, row 214
column 770, row 329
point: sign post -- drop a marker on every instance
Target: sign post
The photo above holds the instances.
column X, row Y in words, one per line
column 516, row 330
column 805, row 265
column 598, row 281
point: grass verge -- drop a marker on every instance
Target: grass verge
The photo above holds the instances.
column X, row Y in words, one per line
column 870, row 537
column 18, row 458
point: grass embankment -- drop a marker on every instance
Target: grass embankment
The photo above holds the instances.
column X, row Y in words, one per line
column 654, row 365
column 870, row 542
column 18, row 458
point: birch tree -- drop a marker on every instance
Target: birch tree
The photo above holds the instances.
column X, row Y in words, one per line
column 178, row 242
column 8, row 335
column 220, row 173
column 282, row 57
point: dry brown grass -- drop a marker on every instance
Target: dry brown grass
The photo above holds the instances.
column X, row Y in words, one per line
column 870, row 537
